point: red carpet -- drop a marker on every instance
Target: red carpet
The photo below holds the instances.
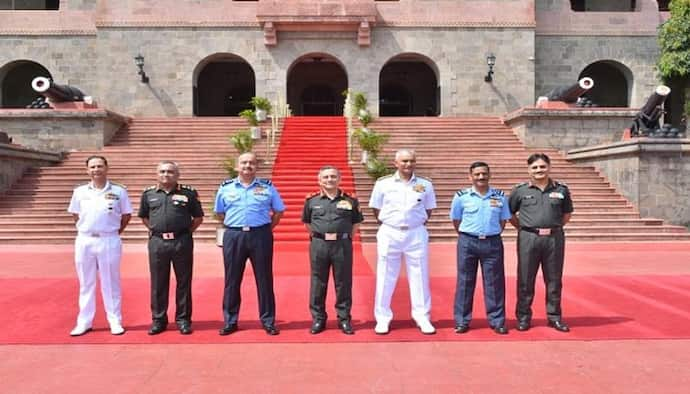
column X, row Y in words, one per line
column 307, row 144
column 41, row 311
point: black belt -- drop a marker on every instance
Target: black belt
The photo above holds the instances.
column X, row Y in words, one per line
column 170, row 235
column 542, row 230
column 481, row 236
column 331, row 236
column 247, row 228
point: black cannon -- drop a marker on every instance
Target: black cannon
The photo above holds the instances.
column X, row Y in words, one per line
column 55, row 92
column 646, row 122
column 570, row 94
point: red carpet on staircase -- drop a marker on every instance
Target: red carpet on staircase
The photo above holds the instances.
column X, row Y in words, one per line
column 307, row 144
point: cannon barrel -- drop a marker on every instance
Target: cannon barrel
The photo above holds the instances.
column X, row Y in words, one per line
column 647, row 119
column 570, row 94
column 55, row 92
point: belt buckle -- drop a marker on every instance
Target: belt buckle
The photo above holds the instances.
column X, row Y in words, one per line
column 330, row 236
column 481, row 236
column 246, row 228
column 403, row 228
column 168, row 235
column 95, row 235
column 544, row 231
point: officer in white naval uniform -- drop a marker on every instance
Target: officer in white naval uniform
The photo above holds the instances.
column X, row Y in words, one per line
column 101, row 210
column 402, row 203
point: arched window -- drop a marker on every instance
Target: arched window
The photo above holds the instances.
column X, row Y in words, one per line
column 15, row 83
column 223, row 85
column 314, row 85
column 663, row 4
column 42, row 5
column 408, row 86
column 612, row 83
column 603, row 5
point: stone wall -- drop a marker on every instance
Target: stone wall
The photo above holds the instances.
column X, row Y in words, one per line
column 569, row 128
column 61, row 131
column 15, row 160
column 651, row 173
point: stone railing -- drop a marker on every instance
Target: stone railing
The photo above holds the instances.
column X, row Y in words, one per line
column 16, row 159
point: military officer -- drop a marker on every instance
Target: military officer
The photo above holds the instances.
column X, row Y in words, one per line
column 540, row 208
column 101, row 211
column 479, row 214
column 403, row 203
column 171, row 212
column 250, row 208
column 331, row 217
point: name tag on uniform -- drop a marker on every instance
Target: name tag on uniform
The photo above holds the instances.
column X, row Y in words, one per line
column 558, row 195
column 330, row 236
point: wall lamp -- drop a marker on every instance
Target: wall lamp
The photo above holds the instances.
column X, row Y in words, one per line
column 139, row 61
column 490, row 61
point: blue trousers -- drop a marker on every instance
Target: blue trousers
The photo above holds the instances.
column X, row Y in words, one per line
column 489, row 253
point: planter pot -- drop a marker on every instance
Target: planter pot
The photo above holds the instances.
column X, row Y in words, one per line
column 261, row 114
column 219, row 236
column 365, row 157
column 256, row 132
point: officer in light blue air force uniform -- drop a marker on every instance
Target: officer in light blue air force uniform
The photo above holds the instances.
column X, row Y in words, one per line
column 250, row 208
column 479, row 213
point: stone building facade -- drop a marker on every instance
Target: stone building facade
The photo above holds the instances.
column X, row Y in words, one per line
column 411, row 57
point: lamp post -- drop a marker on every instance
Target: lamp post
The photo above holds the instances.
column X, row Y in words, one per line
column 490, row 61
column 139, row 61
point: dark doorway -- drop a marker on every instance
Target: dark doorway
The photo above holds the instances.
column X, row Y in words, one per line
column 315, row 86
column 224, row 85
column 408, row 86
column 15, row 83
column 611, row 83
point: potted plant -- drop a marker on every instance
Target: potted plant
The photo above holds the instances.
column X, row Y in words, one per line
column 262, row 107
column 364, row 117
column 377, row 168
column 370, row 142
column 242, row 141
column 250, row 116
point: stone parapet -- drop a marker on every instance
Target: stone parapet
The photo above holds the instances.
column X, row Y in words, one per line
column 566, row 129
column 16, row 159
column 650, row 172
column 61, row 130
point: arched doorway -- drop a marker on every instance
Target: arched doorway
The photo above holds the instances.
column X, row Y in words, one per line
column 612, row 83
column 315, row 84
column 223, row 85
column 15, row 83
column 408, row 86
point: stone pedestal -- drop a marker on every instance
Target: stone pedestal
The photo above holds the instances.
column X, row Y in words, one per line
column 61, row 130
column 653, row 173
column 15, row 160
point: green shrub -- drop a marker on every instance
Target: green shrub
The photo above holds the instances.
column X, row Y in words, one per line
column 242, row 141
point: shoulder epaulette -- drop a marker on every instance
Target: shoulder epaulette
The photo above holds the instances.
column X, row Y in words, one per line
column 118, row 184
column 81, row 184
column 384, row 177
column 462, row 192
column 521, row 184
column 152, row 187
column 423, row 177
column 187, row 187
column 498, row 192
column 265, row 181
column 313, row 194
column 561, row 183
column 227, row 181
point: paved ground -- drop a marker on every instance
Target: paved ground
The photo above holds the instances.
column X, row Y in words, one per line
column 657, row 366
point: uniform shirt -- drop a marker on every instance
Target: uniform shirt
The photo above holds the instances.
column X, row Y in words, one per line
column 403, row 203
column 331, row 216
column 170, row 211
column 247, row 206
column 100, row 210
column 541, row 209
column 480, row 215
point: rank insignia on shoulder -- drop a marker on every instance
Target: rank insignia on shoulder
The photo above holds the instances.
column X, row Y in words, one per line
column 118, row 184
column 462, row 192
column 561, row 183
column 265, row 181
column 498, row 192
column 521, row 184
column 312, row 194
column 227, row 181
column 419, row 188
column 152, row 187
column 187, row 187
column 384, row 177
column 423, row 177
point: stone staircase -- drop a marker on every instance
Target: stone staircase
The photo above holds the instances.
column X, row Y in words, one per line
column 35, row 210
column 445, row 148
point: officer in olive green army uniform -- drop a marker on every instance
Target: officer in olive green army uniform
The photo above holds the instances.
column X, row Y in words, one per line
column 171, row 212
column 540, row 208
column 331, row 217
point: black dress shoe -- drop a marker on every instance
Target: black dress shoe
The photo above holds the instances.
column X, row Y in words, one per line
column 462, row 328
column 501, row 330
column 157, row 328
column 317, row 326
column 523, row 325
column 271, row 330
column 227, row 329
column 559, row 326
column 346, row 327
column 185, row 329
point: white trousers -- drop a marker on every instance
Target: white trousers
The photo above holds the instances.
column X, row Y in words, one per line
column 391, row 245
column 92, row 256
